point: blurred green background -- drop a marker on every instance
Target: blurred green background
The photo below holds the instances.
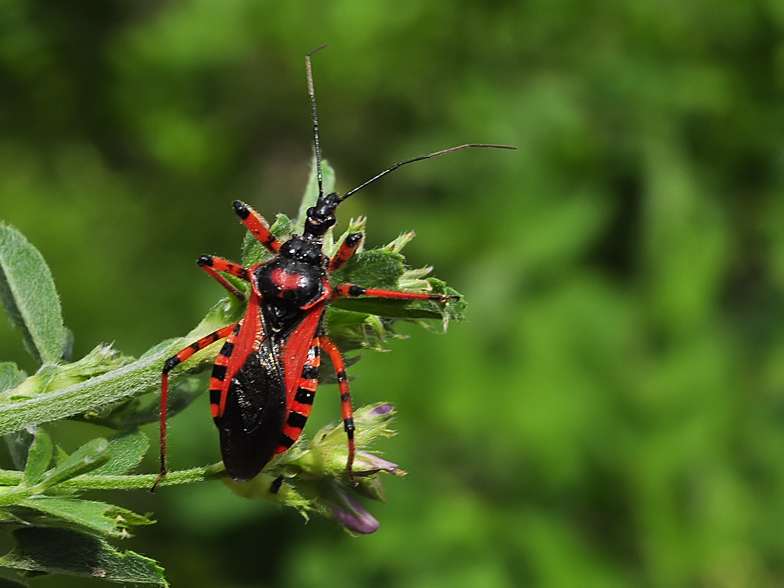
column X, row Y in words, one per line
column 613, row 413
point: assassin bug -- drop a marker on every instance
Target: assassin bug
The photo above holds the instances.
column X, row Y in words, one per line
column 265, row 377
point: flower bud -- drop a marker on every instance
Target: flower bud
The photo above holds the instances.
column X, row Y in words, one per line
column 366, row 464
column 349, row 513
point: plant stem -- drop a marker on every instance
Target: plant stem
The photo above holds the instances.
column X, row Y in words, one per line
column 126, row 482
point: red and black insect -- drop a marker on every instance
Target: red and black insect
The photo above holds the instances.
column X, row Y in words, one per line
column 265, row 377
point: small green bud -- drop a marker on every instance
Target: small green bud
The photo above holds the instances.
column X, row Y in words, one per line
column 312, row 476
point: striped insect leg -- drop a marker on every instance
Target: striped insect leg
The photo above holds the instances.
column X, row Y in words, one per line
column 302, row 404
column 345, row 400
column 168, row 366
column 256, row 225
column 351, row 290
column 218, row 387
column 212, row 265
column 347, row 249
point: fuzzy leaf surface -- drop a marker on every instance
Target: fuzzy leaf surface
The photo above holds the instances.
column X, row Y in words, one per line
column 135, row 412
column 19, row 441
column 56, row 550
column 126, row 450
column 29, row 297
column 128, row 380
column 100, row 517
column 87, row 458
column 38, row 459
column 10, row 376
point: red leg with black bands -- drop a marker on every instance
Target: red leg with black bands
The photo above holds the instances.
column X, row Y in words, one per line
column 256, row 225
column 347, row 249
column 223, row 265
column 344, row 290
column 168, row 366
column 345, row 399
column 213, row 265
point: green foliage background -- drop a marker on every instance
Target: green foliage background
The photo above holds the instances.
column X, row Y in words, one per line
column 612, row 415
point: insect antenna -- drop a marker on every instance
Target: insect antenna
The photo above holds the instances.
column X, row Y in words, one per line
column 315, row 118
column 420, row 158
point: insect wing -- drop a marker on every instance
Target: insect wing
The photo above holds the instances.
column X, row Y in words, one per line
column 253, row 400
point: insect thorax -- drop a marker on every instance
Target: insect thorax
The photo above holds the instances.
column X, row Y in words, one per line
column 295, row 276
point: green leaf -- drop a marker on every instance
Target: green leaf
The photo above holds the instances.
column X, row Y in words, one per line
column 38, row 459
column 137, row 412
column 10, row 376
column 9, row 518
column 282, row 227
column 100, row 517
column 59, row 455
column 53, row 550
column 18, row 442
column 126, row 451
column 357, row 330
column 99, row 361
column 88, row 457
column 29, row 297
column 133, row 379
column 377, row 268
column 68, row 347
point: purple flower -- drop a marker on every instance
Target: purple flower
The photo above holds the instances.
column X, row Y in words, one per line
column 351, row 514
column 367, row 464
column 381, row 410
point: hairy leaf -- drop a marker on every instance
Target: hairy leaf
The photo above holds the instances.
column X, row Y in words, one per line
column 133, row 379
column 88, row 457
column 377, row 268
column 136, row 412
column 39, row 458
column 18, row 442
column 126, row 451
column 54, row 550
column 100, row 517
column 10, row 376
column 29, row 298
